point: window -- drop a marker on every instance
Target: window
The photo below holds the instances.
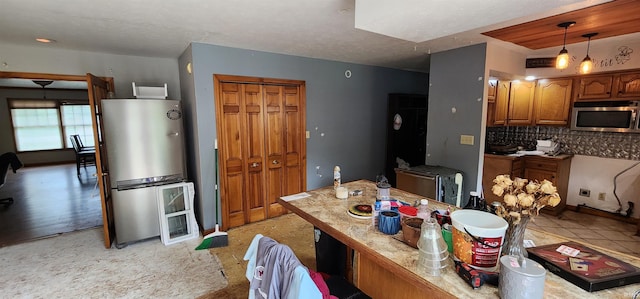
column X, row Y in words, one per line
column 46, row 124
column 76, row 120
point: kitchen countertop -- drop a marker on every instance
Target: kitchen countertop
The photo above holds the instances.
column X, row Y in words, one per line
column 329, row 214
column 515, row 156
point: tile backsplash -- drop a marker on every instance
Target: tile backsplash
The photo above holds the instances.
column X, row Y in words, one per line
column 599, row 144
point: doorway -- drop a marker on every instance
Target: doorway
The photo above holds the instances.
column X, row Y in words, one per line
column 97, row 89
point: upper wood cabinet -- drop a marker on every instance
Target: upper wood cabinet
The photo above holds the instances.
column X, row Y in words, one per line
column 521, row 103
column 595, row 87
column 491, row 93
column 628, row 85
column 513, row 104
column 491, row 102
column 501, row 108
column 553, row 101
column 617, row 86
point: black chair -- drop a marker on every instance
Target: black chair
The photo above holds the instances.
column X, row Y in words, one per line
column 6, row 160
column 84, row 155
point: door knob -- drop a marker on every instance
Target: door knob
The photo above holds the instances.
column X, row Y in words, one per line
column 275, row 162
column 254, row 164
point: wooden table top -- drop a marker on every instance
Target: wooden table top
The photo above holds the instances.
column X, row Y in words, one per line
column 325, row 211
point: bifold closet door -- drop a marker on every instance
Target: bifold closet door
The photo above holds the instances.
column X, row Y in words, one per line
column 283, row 144
column 241, row 153
column 261, row 137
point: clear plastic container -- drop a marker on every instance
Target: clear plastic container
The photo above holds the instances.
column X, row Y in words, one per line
column 433, row 255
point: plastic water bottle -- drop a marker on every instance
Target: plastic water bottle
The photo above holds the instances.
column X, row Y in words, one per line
column 423, row 210
column 336, row 177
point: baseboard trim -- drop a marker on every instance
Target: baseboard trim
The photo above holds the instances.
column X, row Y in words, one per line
column 590, row 211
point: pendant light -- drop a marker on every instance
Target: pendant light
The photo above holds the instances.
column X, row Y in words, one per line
column 562, row 61
column 43, row 83
column 587, row 64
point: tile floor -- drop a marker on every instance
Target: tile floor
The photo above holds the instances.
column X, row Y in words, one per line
column 599, row 231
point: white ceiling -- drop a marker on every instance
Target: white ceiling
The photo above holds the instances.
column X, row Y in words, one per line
column 407, row 30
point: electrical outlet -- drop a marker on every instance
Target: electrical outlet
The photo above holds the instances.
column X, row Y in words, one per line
column 585, row 192
column 602, row 196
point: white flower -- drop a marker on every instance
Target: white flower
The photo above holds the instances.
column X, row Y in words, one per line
column 497, row 190
column 522, row 197
column 532, row 187
column 510, row 200
column 554, row 200
column 519, row 183
column 525, row 200
column 547, row 187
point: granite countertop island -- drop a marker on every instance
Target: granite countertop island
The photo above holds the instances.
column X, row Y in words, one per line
column 386, row 267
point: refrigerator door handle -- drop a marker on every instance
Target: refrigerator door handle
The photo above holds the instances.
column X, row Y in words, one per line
column 174, row 134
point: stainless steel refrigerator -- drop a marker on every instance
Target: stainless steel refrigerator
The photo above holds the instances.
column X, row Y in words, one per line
column 145, row 149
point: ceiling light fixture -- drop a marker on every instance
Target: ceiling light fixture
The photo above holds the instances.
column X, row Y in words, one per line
column 562, row 61
column 587, row 64
column 45, row 40
column 43, row 83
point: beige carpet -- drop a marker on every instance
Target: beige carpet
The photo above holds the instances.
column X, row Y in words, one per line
column 76, row 265
column 289, row 229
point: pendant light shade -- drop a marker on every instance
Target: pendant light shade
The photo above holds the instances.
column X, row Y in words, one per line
column 562, row 61
column 587, row 64
column 43, row 83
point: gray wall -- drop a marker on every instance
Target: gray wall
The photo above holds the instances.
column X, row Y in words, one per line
column 456, row 81
column 145, row 71
column 349, row 112
column 7, row 143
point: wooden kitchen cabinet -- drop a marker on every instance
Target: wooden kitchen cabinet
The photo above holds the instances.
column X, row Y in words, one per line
column 501, row 107
column 491, row 102
column 628, row 85
column 595, row 87
column 553, row 101
column 554, row 169
column 513, row 103
column 521, row 103
column 495, row 165
column 491, row 93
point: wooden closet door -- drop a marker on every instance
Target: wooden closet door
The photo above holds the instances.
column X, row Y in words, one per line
column 274, row 130
column 294, row 147
column 261, row 132
column 230, row 108
column 254, row 152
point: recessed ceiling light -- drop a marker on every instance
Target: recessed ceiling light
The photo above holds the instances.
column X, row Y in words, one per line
column 45, row 40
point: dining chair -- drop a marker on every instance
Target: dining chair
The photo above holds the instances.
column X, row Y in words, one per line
column 84, row 155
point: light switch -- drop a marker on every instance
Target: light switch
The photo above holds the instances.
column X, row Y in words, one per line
column 308, row 135
column 466, row 139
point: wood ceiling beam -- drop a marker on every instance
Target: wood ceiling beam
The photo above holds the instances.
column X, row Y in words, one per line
column 608, row 20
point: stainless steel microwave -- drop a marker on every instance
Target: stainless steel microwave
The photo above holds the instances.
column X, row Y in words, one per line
column 610, row 116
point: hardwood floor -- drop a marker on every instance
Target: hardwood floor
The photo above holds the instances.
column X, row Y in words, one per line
column 48, row 200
